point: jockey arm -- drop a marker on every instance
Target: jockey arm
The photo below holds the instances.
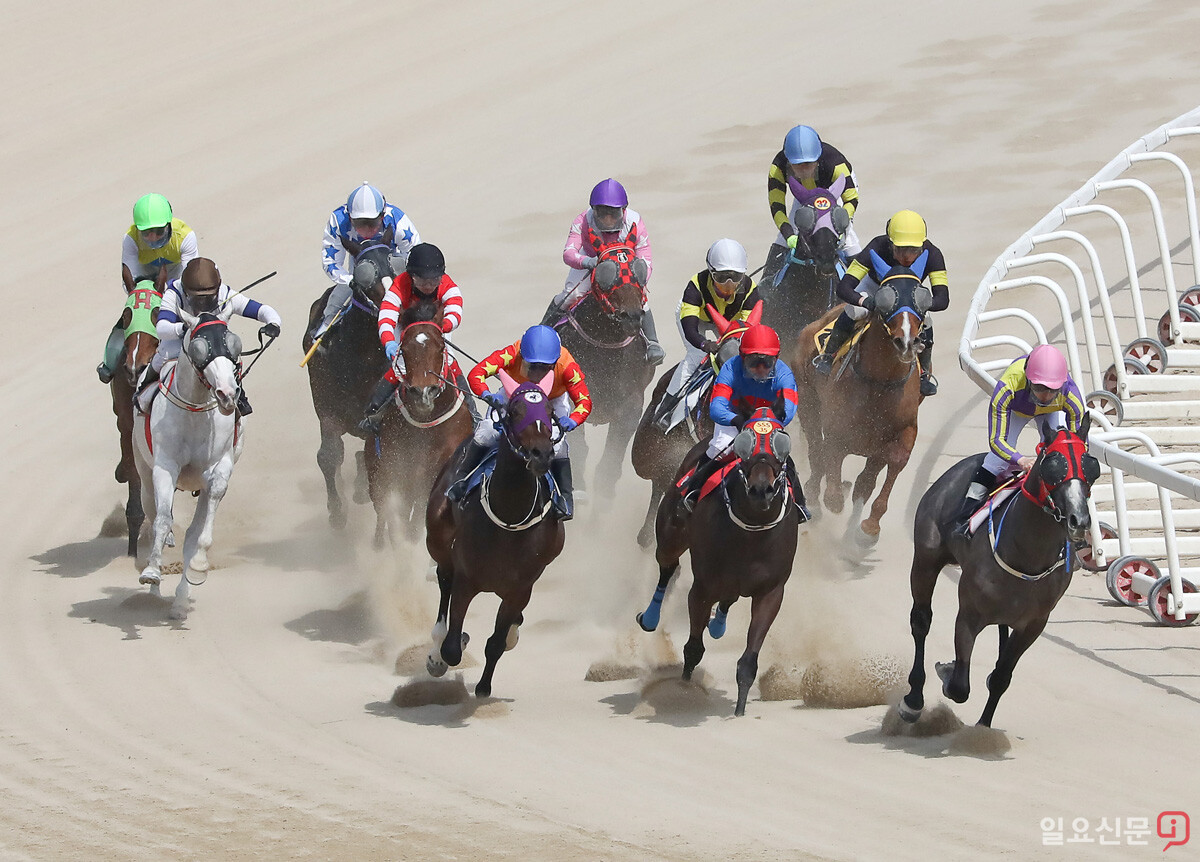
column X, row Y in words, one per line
column 570, row 375
column 254, row 309
column 506, row 358
column 334, row 254
column 574, row 254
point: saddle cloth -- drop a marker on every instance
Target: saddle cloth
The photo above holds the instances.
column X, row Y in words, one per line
column 486, row 468
column 997, row 497
column 717, row 479
column 822, row 337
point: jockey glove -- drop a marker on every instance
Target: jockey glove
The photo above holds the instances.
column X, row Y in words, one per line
column 567, row 424
column 709, row 346
column 494, row 399
column 589, row 262
column 390, row 350
column 868, row 301
column 271, row 330
column 791, row 242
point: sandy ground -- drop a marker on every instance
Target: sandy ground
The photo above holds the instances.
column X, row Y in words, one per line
column 263, row 727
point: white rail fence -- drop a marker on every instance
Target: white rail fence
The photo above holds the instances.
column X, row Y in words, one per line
column 1140, row 339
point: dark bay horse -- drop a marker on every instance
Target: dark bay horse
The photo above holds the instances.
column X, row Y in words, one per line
column 430, row 420
column 806, row 286
column 342, row 374
column 603, row 331
column 656, row 454
column 1014, row 570
column 501, row 537
column 867, row 405
column 742, row 538
column 141, row 341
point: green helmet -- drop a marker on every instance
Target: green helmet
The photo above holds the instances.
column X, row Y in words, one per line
column 151, row 211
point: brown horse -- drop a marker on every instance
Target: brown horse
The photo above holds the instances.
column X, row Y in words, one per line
column 657, row 454
column 419, row 436
column 141, row 341
column 604, row 333
column 867, row 405
column 501, row 537
column 1013, row 572
column 742, row 538
column 342, row 374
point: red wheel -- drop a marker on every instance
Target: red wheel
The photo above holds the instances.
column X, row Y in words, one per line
column 1132, row 366
column 1120, row 579
column 1191, row 297
column 1086, row 558
column 1158, row 602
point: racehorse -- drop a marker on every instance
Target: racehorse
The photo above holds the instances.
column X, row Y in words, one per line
column 501, row 537
column 192, row 438
column 1013, row 573
column 415, row 439
column 805, row 288
column 867, row 404
column 343, row 373
column 603, row 332
column 657, row 454
column 742, row 541
column 141, row 341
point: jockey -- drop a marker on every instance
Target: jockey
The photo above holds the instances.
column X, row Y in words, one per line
column 424, row 279
column 200, row 289
column 723, row 284
column 533, row 357
column 365, row 216
column 755, row 378
column 810, row 162
column 155, row 241
column 905, row 243
column 1036, row 386
column 606, row 222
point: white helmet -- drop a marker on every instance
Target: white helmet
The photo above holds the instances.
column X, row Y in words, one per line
column 727, row 255
column 366, row 201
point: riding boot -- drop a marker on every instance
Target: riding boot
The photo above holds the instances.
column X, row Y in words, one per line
column 798, row 492
column 560, row 468
column 243, row 404
column 472, row 407
column 472, row 458
column 776, row 255
column 982, row 484
column 376, row 404
column 843, row 328
column 554, row 313
column 704, row 468
column 112, row 355
column 665, row 410
column 929, row 384
column 147, row 387
column 654, row 352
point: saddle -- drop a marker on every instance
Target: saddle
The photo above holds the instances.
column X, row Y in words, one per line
column 487, row 466
column 822, row 337
column 1002, row 493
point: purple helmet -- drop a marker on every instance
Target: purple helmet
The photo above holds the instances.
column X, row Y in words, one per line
column 609, row 193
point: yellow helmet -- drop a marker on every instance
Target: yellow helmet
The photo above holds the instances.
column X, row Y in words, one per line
column 907, row 229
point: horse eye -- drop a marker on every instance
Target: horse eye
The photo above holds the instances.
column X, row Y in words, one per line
column 198, row 350
column 743, row 444
column 234, row 343
column 1054, row 468
column 781, row 444
column 1091, row 468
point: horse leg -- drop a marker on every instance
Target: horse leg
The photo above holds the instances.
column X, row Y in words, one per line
column 922, row 580
column 956, row 675
column 646, row 534
column 620, row 432
column 329, row 459
column 508, row 617
column 454, row 641
column 763, row 610
column 434, row 663
column 809, row 412
column 864, row 485
column 1011, row 650
column 894, row 465
column 135, row 514
column 648, row 619
column 164, row 493
column 835, row 498
column 699, row 610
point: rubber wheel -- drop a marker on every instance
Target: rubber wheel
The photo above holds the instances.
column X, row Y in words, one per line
column 1132, row 366
column 1187, row 314
column 1191, row 297
column 1107, row 404
column 1086, row 558
column 1158, row 602
column 1119, row 579
column 1150, row 352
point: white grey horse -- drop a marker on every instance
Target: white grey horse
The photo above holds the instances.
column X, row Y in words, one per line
column 190, row 441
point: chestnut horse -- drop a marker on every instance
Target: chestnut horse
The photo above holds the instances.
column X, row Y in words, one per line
column 1013, row 572
column 342, row 374
column 419, row 436
column 603, row 331
column 867, row 404
column 503, row 534
column 742, row 538
column 657, row 454
column 141, row 341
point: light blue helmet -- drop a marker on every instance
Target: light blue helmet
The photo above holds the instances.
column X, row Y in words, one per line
column 540, row 345
column 366, row 201
column 802, row 144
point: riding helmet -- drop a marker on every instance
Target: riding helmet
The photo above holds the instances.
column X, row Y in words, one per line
column 907, row 229
column 1046, row 366
column 760, row 339
column 802, row 145
column 366, row 201
column 608, row 193
column 726, row 255
column 151, row 211
column 426, row 261
column 540, row 346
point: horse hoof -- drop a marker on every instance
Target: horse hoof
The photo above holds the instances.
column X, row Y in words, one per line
column 687, row 674
column 435, row 666
column 482, row 690
column 716, row 626
column 648, row 619
column 514, row 634
column 170, row 540
column 863, row 539
column 150, row 577
column 907, row 713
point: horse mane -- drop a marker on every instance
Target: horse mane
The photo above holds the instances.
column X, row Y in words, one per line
column 423, row 311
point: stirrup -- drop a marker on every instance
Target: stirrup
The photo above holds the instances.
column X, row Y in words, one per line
column 823, row 363
column 655, row 353
column 929, row 385
column 104, row 373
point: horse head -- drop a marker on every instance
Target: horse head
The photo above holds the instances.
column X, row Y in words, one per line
column 374, row 263
column 1062, row 476
column 730, row 332
column 422, row 362
column 821, row 225
column 619, row 286
column 138, row 322
column 529, row 426
column 213, row 350
column 901, row 303
column 763, row 447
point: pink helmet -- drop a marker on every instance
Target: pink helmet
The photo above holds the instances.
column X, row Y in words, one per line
column 1046, row 366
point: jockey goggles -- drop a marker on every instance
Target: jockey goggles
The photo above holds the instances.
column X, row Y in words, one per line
column 156, row 237
column 726, row 276
column 1044, row 395
column 759, row 362
column 367, row 227
column 606, row 218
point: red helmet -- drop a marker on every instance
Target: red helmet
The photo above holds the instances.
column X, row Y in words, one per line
column 760, row 339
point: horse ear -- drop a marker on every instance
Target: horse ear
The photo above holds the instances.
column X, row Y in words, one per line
column 1085, row 426
column 755, row 317
column 507, row 382
column 546, row 384
column 715, row 316
column 1049, row 432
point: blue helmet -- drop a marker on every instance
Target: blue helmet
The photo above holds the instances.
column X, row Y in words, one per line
column 366, row 201
column 802, row 144
column 540, row 345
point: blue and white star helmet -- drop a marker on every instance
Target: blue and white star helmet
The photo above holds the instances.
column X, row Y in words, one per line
column 366, row 201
